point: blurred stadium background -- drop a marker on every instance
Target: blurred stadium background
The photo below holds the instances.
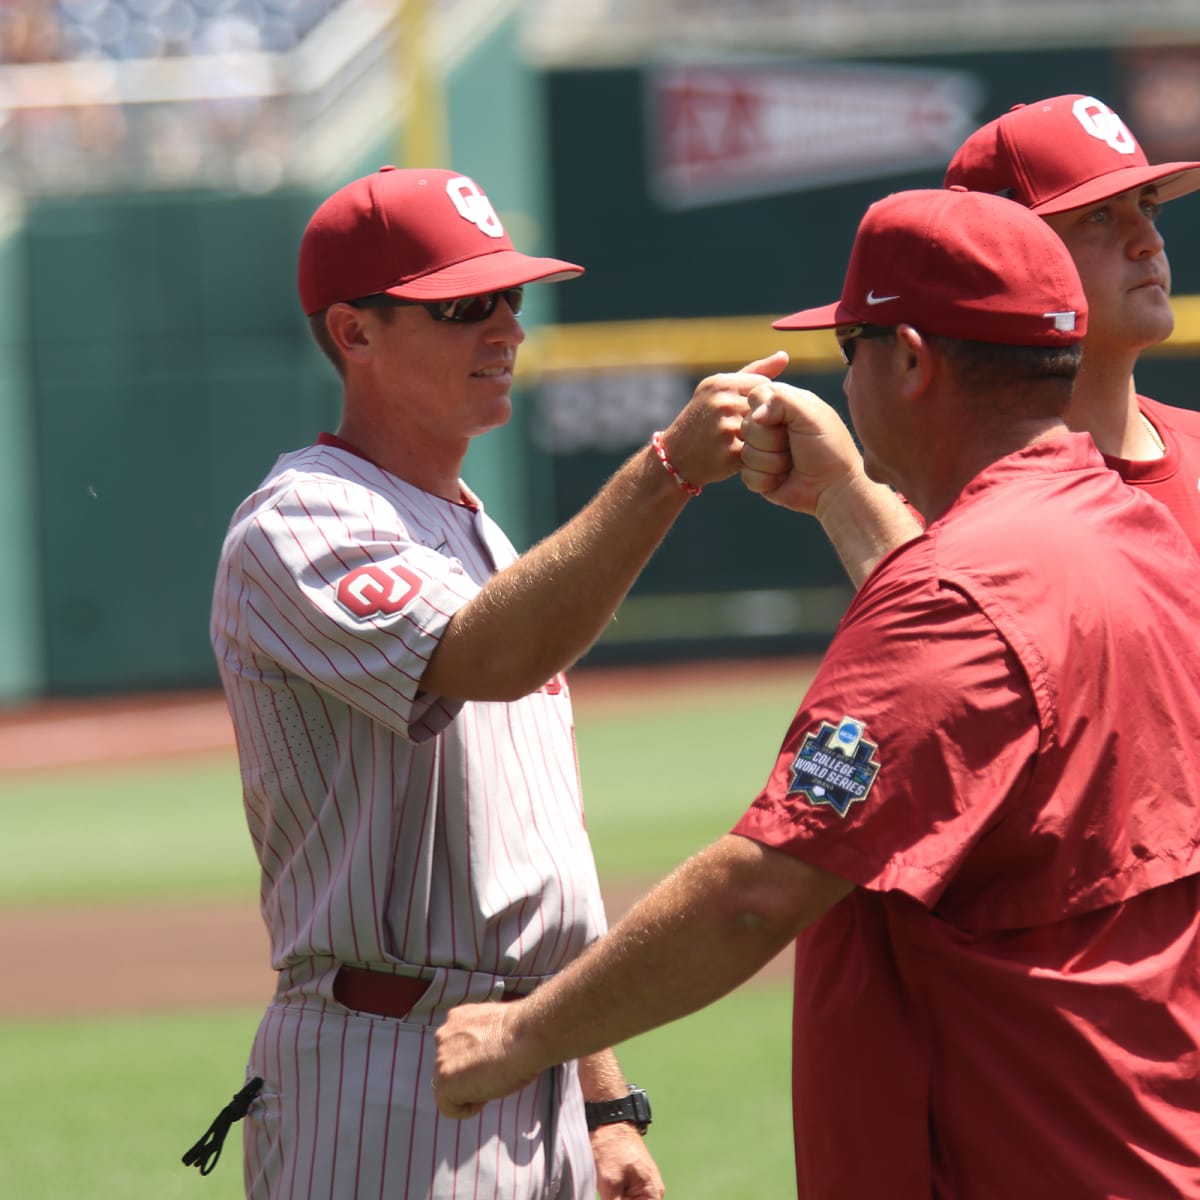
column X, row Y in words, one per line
column 708, row 160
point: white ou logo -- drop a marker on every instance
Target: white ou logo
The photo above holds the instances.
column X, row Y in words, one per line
column 474, row 206
column 1101, row 122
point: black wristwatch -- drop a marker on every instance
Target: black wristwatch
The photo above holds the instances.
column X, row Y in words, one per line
column 634, row 1108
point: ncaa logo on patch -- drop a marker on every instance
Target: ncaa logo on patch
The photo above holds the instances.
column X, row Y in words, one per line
column 835, row 766
column 375, row 590
column 474, row 206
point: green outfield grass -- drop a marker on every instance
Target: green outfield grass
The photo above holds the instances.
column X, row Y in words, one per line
column 140, row 832
column 661, row 778
column 666, row 776
column 103, row 1107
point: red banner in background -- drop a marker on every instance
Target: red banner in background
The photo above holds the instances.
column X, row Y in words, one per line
column 720, row 132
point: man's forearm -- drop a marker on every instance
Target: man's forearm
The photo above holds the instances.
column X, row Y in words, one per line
column 542, row 613
column 707, row 928
column 683, row 946
column 601, row 1077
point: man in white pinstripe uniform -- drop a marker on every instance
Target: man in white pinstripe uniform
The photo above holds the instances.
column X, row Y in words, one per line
column 394, row 673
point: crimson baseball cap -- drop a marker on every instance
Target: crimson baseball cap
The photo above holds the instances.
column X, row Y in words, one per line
column 957, row 264
column 1063, row 153
column 416, row 234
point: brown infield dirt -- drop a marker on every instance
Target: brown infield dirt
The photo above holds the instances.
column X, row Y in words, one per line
column 122, row 958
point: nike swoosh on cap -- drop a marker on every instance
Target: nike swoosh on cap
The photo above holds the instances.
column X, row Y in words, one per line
column 874, row 299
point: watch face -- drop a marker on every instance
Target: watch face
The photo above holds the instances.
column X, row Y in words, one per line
column 641, row 1108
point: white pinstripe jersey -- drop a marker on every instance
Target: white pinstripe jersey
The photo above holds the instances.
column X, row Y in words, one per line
column 393, row 828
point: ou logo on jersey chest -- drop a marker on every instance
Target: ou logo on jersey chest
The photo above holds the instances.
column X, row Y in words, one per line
column 1101, row 122
column 376, row 590
column 474, row 206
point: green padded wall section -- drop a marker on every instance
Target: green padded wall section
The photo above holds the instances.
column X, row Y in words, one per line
column 171, row 366
column 22, row 671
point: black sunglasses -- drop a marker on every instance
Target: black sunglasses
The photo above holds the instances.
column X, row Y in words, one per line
column 848, row 336
column 465, row 310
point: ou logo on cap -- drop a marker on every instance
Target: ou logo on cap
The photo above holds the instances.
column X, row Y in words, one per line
column 474, row 206
column 1101, row 122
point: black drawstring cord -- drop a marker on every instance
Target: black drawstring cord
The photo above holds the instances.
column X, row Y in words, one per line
column 207, row 1150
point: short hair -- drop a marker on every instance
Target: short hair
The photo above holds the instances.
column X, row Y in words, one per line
column 320, row 334
column 1017, row 381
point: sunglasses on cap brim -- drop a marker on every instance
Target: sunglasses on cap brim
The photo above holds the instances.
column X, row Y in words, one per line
column 463, row 310
column 848, row 336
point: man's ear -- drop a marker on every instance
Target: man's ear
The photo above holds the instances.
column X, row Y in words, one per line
column 915, row 362
column 347, row 330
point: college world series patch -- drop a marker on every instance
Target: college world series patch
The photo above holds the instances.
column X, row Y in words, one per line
column 835, row 766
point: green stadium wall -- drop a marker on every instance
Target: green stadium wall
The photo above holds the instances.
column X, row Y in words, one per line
column 170, row 368
column 22, row 651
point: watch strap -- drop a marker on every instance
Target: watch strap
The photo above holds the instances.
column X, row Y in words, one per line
column 634, row 1108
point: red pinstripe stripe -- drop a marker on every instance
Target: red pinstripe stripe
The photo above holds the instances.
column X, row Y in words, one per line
column 458, row 1132
column 361, row 830
column 285, row 794
column 295, row 1098
column 412, row 1129
column 425, row 816
column 403, row 785
column 332, row 731
column 468, row 884
column 318, row 1091
column 365, row 1086
column 319, row 530
column 484, row 714
column 387, row 1121
column 337, row 1109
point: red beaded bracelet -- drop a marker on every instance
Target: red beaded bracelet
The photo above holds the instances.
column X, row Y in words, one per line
column 659, row 449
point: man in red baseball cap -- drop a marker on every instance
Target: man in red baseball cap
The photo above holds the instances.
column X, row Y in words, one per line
column 1074, row 162
column 395, row 675
column 981, row 826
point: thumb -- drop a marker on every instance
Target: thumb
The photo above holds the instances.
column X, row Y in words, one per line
column 771, row 366
column 767, row 407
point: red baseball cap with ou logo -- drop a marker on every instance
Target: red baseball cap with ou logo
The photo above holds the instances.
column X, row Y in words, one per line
column 1063, row 153
column 957, row 264
column 415, row 234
